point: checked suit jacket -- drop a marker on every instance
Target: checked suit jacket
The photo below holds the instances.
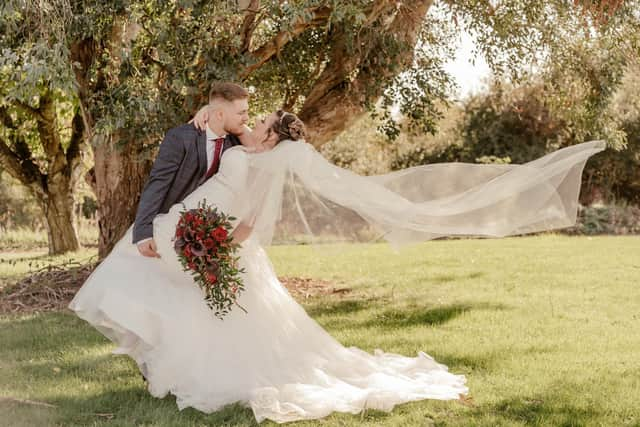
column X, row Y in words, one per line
column 179, row 168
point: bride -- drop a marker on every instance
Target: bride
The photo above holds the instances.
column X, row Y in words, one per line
column 274, row 358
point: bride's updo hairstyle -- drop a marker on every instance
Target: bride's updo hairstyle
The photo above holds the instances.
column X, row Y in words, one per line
column 288, row 126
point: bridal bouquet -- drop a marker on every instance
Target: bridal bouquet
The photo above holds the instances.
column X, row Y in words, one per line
column 206, row 250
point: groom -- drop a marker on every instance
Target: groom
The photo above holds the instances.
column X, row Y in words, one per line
column 188, row 157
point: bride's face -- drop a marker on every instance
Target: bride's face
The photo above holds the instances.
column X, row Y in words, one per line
column 267, row 139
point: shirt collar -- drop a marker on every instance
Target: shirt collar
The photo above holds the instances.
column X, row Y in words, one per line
column 211, row 135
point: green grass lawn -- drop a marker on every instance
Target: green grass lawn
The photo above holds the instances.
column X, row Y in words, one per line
column 546, row 329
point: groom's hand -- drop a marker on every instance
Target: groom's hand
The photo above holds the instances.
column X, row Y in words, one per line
column 148, row 248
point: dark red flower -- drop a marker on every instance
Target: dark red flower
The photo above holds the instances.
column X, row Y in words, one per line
column 197, row 249
column 209, row 243
column 178, row 245
column 187, row 251
column 212, row 278
column 213, row 267
column 220, row 234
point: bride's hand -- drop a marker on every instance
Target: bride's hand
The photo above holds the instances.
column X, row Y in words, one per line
column 201, row 118
column 249, row 140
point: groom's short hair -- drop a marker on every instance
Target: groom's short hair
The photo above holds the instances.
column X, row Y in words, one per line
column 227, row 91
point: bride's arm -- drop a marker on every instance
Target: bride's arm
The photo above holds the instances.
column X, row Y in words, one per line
column 222, row 191
column 241, row 232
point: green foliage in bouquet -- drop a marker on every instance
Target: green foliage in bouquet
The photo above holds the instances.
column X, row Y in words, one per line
column 206, row 249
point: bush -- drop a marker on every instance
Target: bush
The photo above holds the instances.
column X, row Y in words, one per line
column 360, row 148
column 617, row 218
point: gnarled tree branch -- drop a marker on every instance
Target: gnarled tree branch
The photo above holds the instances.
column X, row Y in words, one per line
column 77, row 136
column 35, row 112
column 343, row 87
column 267, row 51
column 249, row 24
column 18, row 161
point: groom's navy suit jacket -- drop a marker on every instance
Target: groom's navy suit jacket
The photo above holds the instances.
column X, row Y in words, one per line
column 180, row 167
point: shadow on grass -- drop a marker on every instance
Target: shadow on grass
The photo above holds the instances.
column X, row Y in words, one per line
column 342, row 307
column 551, row 408
column 473, row 363
column 392, row 318
column 46, row 333
column 136, row 406
column 447, row 278
column 423, row 316
column 92, row 368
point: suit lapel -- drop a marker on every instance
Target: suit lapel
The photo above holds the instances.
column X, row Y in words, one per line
column 201, row 143
column 229, row 141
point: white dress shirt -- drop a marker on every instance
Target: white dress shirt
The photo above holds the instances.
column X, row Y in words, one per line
column 211, row 145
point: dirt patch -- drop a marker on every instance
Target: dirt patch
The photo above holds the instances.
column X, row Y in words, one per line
column 47, row 290
column 52, row 288
column 303, row 288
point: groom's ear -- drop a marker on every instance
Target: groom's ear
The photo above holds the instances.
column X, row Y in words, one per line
column 216, row 113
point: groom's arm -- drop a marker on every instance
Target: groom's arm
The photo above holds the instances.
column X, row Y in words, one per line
column 163, row 172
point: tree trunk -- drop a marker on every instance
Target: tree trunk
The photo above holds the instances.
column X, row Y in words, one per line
column 57, row 206
column 117, row 180
column 57, row 187
column 54, row 189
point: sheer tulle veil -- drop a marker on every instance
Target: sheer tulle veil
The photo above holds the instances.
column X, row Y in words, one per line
column 295, row 194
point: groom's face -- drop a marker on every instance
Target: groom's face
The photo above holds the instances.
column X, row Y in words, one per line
column 236, row 115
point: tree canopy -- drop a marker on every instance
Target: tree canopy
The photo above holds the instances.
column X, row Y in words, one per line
column 122, row 72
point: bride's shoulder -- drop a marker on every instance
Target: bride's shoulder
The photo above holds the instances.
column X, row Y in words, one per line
column 238, row 152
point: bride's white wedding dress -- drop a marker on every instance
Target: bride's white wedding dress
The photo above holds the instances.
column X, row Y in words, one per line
column 275, row 358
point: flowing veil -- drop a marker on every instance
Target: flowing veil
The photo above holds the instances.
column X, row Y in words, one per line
column 295, row 194
column 276, row 358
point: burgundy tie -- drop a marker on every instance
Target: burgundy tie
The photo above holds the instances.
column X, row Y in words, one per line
column 216, row 158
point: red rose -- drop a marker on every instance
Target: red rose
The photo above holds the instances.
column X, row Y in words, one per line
column 187, row 251
column 192, row 265
column 209, row 243
column 200, row 235
column 212, row 278
column 220, row 234
column 179, row 232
